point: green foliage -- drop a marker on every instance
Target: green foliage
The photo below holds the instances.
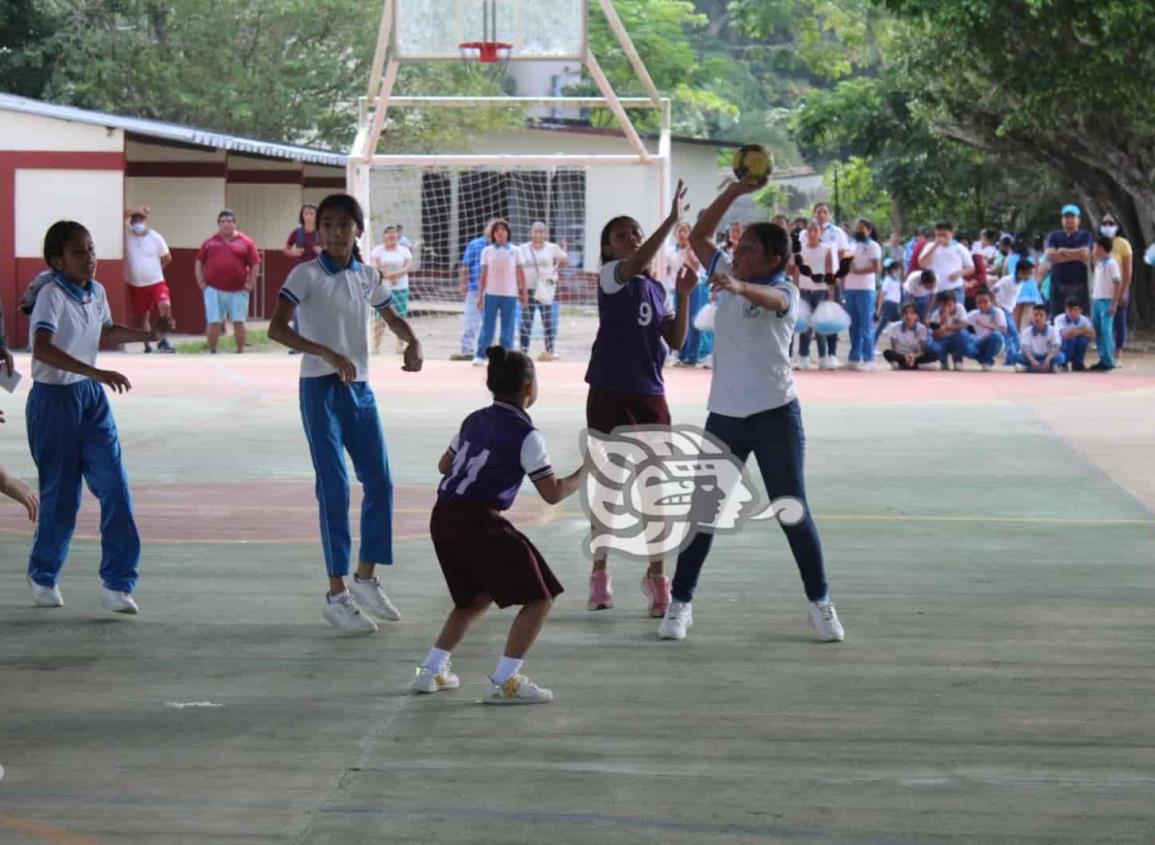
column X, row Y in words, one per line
column 855, row 192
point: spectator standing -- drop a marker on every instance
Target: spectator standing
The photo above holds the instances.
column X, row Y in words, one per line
column 889, row 308
column 1108, row 288
column 1068, row 250
column 544, row 261
column 865, row 265
column 815, row 264
column 950, row 260
column 468, row 277
column 393, row 261
column 146, row 256
column 226, row 272
column 303, row 245
column 1124, row 255
column 501, row 288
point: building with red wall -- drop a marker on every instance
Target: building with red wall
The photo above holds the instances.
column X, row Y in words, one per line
column 59, row 162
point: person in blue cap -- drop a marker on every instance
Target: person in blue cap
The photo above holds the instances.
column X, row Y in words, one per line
column 1069, row 251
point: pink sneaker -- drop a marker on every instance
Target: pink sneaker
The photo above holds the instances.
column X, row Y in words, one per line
column 601, row 590
column 656, row 588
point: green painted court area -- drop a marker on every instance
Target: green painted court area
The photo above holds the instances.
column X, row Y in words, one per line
column 990, row 541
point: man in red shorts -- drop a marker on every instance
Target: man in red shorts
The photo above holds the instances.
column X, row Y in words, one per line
column 145, row 257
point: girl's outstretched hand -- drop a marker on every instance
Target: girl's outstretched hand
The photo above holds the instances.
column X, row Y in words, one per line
column 687, row 280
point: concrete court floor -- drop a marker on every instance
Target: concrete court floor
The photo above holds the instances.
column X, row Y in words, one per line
column 989, row 540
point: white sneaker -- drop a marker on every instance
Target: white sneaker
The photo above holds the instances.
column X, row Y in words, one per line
column 894, row 365
column 824, row 363
column 832, row 362
column 824, row 621
column 372, row 598
column 479, row 362
column 45, row 596
column 119, row 602
column 517, row 690
column 344, row 615
column 428, row 681
column 1020, row 368
column 958, row 366
column 707, row 363
column 678, row 619
column 803, row 363
column 987, row 368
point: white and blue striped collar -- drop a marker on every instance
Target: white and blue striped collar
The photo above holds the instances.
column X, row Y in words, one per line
column 331, row 267
column 75, row 291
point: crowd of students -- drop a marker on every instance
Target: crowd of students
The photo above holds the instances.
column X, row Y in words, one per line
column 937, row 299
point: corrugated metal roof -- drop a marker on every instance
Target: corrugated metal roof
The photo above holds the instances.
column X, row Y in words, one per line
column 172, row 131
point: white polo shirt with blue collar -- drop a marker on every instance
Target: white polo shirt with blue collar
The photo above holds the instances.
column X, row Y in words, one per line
column 76, row 317
column 751, row 370
column 334, row 304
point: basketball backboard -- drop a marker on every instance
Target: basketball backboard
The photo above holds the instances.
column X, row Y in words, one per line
column 538, row 29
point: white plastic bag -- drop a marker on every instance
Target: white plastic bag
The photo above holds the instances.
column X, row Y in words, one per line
column 704, row 319
column 830, row 318
column 802, row 317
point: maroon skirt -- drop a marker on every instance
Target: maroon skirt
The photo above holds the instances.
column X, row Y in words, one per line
column 481, row 552
column 608, row 409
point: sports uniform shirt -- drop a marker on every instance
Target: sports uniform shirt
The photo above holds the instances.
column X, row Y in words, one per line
column 227, row 263
column 864, row 252
column 76, row 317
column 1107, row 276
column 333, row 308
column 629, row 350
column 906, row 341
column 1064, row 323
column 752, row 370
column 952, row 258
column 815, row 257
column 496, row 448
column 142, row 255
column 977, row 317
column 1041, row 343
column 1006, row 291
column 891, row 290
column 957, row 319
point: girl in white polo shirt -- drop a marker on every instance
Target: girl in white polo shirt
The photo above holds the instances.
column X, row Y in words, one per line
column 333, row 296
column 501, row 288
column 70, row 425
column 753, row 402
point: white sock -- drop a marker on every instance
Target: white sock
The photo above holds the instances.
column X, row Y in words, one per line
column 436, row 659
column 361, row 580
column 336, row 598
column 507, row 667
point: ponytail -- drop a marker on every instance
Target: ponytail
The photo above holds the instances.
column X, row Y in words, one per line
column 508, row 371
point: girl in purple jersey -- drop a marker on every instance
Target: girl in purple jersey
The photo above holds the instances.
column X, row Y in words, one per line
column 635, row 330
column 485, row 559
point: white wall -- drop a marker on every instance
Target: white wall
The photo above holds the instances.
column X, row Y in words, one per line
column 91, row 197
column 19, row 131
column 183, row 210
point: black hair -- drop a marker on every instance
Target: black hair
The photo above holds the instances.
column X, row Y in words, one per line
column 58, row 234
column 1105, row 243
column 945, row 296
column 989, row 234
column 822, row 204
column 350, row 205
column 226, row 212
column 137, row 215
column 500, row 221
column 1072, row 302
column 983, row 291
column 301, row 213
column 607, row 230
column 775, row 241
column 927, row 277
column 910, row 306
column 1024, row 264
column 508, row 371
column 943, row 225
column 1041, row 307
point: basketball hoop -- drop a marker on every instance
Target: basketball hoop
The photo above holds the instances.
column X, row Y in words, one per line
column 493, row 55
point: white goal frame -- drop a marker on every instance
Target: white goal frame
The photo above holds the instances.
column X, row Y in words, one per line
column 374, row 108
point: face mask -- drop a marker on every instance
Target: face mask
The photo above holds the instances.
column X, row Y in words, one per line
column 1108, row 231
column 139, row 228
column 860, row 237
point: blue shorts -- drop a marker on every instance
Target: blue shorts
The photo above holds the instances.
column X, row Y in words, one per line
column 221, row 305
